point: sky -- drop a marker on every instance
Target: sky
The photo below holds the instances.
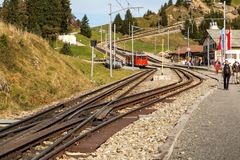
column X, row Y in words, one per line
column 97, row 10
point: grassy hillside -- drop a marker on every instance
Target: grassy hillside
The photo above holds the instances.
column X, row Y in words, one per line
column 33, row 74
column 147, row 44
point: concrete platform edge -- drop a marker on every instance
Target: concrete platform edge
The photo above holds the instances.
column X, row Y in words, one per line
column 165, row 151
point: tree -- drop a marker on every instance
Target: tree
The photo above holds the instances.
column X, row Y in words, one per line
column 148, row 13
column 164, row 21
column 179, row 2
column 85, row 28
column 205, row 24
column 128, row 21
column 170, row 2
column 119, row 22
column 48, row 18
column 193, row 29
column 66, row 14
column 228, row 2
column 66, row 49
column 236, row 23
column 12, row 12
column 4, row 10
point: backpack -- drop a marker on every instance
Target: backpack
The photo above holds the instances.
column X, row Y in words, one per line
column 227, row 70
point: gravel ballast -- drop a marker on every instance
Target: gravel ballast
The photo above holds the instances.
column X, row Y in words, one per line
column 142, row 139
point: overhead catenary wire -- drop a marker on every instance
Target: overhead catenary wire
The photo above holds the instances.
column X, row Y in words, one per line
column 119, row 4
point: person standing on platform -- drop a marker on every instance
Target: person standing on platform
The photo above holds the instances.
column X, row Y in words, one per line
column 236, row 72
column 226, row 74
column 217, row 65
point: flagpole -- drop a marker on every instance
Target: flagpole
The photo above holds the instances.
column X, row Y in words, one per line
column 224, row 32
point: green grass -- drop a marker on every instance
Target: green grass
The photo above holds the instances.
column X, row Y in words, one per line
column 101, row 73
column 148, row 44
column 96, row 34
column 235, row 2
column 85, row 52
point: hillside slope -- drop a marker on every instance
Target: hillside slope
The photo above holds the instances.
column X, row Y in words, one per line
column 33, row 74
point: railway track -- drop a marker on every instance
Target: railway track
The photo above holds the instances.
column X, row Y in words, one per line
column 78, row 102
column 83, row 121
column 30, row 126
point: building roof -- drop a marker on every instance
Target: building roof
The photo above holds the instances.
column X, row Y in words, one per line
column 215, row 35
column 193, row 49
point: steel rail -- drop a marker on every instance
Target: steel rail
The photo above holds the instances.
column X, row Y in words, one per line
column 49, row 153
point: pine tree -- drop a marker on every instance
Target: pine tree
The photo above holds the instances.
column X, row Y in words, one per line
column 127, row 21
column 205, row 24
column 236, row 23
column 119, row 22
column 164, row 21
column 12, row 12
column 4, row 10
column 85, row 28
column 228, row 2
column 36, row 16
column 179, row 2
column 170, row 2
column 22, row 14
column 66, row 49
column 66, row 14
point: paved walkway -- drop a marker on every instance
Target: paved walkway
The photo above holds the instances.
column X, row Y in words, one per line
column 213, row 132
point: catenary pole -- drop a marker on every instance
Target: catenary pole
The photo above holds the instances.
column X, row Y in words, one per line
column 162, row 53
column 224, row 50
column 92, row 63
column 208, row 53
column 101, row 35
column 168, row 40
column 110, row 38
column 132, row 50
column 114, row 51
column 188, row 46
column 106, row 44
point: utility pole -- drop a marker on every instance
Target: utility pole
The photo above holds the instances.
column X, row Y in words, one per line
column 92, row 63
column 162, row 53
column 114, row 61
column 188, row 46
column 155, row 49
column 129, row 29
column 110, row 30
column 132, row 50
column 224, row 50
column 208, row 53
column 178, row 54
column 106, row 44
column 168, row 40
column 133, row 44
column 101, row 35
column 110, row 38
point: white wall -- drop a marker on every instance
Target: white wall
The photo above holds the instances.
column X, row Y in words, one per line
column 68, row 39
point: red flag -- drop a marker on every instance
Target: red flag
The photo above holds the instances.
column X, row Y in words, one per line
column 229, row 39
column 220, row 42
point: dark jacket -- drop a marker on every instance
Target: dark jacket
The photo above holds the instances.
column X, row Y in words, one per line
column 235, row 67
column 227, row 70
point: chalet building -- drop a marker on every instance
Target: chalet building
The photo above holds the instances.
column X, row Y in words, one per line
column 213, row 40
column 182, row 54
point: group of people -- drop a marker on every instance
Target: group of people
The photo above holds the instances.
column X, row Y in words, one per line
column 227, row 71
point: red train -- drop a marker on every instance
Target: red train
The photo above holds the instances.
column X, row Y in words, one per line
column 140, row 59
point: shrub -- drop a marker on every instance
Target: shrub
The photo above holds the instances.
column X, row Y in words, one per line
column 66, row 49
column 7, row 56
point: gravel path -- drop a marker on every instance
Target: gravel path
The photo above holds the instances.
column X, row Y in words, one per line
column 142, row 139
column 213, row 132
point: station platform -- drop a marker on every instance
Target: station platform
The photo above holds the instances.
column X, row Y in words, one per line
column 213, row 131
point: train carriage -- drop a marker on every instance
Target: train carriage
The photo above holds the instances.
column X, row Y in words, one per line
column 140, row 59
